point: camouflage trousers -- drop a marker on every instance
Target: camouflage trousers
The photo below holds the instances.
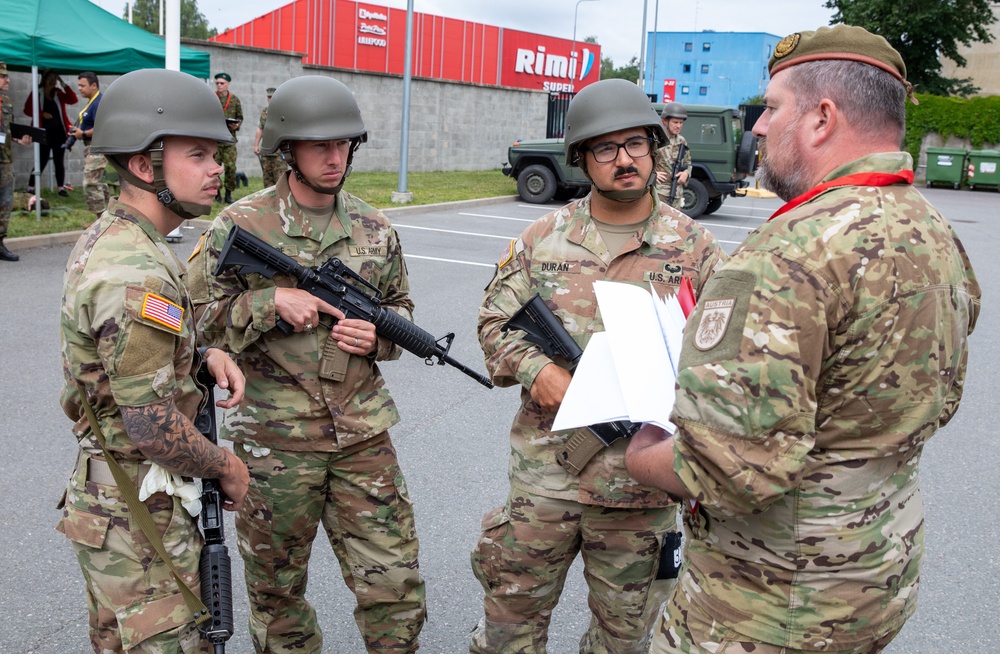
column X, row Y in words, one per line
column 6, row 196
column 225, row 156
column 684, row 628
column 132, row 599
column 94, row 188
column 525, row 551
column 272, row 165
column 359, row 495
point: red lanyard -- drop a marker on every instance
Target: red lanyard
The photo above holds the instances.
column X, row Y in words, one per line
column 857, row 179
column 229, row 96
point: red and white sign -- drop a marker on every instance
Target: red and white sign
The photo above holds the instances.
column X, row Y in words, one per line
column 669, row 89
column 371, row 37
column 534, row 61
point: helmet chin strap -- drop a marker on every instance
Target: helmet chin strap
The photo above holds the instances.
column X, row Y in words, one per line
column 289, row 157
column 186, row 210
column 627, row 195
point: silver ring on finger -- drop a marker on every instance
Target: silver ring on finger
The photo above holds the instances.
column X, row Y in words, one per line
column 308, row 325
column 355, row 341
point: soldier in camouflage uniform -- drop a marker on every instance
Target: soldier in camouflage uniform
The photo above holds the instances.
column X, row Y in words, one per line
column 272, row 165
column 673, row 116
column 818, row 362
column 95, row 190
column 6, row 162
column 226, row 156
column 619, row 232
column 313, row 428
column 128, row 337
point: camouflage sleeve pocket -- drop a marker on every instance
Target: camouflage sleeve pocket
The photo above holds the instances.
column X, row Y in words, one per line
column 84, row 528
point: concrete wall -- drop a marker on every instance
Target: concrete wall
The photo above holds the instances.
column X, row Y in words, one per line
column 453, row 126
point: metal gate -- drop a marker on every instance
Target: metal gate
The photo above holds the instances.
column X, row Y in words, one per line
column 555, row 121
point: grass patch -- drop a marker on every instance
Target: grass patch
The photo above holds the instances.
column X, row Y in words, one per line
column 70, row 213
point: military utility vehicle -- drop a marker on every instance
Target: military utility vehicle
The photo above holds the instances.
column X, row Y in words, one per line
column 720, row 163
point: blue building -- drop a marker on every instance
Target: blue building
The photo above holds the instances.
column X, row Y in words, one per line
column 713, row 68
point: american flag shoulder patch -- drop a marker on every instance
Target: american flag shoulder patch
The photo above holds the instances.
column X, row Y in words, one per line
column 161, row 310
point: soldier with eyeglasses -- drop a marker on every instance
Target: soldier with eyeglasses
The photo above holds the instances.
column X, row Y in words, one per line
column 619, row 232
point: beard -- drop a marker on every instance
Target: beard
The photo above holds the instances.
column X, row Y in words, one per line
column 785, row 175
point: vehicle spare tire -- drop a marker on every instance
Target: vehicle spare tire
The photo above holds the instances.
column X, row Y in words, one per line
column 746, row 155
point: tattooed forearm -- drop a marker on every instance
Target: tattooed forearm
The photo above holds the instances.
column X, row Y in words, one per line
column 167, row 438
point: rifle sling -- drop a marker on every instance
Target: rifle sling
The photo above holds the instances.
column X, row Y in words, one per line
column 580, row 449
column 140, row 513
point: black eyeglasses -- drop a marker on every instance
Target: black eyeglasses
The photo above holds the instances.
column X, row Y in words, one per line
column 635, row 147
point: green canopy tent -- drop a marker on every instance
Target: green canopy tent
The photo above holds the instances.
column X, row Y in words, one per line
column 76, row 35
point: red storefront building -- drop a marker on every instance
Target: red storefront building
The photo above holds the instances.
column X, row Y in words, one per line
column 367, row 37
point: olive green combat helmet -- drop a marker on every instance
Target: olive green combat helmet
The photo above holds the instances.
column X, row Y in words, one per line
column 674, row 110
column 312, row 108
column 140, row 108
column 605, row 107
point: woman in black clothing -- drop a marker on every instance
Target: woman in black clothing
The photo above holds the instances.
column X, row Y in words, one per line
column 54, row 97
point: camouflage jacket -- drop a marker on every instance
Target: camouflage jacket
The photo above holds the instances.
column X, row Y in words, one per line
column 288, row 405
column 232, row 108
column 818, row 362
column 665, row 158
column 260, row 125
column 126, row 326
column 560, row 256
column 6, row 117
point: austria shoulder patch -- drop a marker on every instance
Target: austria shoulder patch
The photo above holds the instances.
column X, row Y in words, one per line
column 715, row 317
column 161, row 310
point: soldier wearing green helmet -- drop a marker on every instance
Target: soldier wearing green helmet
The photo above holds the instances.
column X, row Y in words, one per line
column 271, row 165
column 673, row 116
column 313, row 427
column 128, row 341
column 619, row 232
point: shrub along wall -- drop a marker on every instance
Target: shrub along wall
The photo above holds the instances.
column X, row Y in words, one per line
column 972, row 123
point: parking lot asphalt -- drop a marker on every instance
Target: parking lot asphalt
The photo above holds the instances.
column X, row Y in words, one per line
column 453, row 447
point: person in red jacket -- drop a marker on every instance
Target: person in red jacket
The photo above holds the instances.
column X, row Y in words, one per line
column 52, row 101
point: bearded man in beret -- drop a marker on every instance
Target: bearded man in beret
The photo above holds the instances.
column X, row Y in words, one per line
column 818, row 362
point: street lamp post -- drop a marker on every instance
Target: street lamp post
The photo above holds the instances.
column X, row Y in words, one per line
column 642, row 47
column 575, row 12
column 729, row 89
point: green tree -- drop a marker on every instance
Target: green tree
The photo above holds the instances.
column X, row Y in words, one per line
column 630, row 71
column 923, row 31
column 608, row 69
column 194, row 25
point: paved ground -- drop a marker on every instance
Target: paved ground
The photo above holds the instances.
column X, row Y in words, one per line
column 453, row 448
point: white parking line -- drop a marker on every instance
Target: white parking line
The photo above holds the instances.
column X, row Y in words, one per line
column 486, row 215
column 452, row 231
column 466, row 263
column 721, row 225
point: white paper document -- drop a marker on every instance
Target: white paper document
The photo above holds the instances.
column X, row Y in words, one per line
column 629, row 370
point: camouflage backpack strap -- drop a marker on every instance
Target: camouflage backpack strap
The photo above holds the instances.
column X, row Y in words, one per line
column 140, row 512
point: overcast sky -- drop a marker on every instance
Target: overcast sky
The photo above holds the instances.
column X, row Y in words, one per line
column 617, row 24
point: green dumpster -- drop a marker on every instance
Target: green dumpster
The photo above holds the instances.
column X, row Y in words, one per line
column 984, row 168
column 946, row 166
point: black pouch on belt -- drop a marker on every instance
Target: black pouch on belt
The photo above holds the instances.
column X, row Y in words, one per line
column 670, row 556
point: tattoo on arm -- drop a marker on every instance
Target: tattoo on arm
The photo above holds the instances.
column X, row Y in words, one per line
column 170, row 440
